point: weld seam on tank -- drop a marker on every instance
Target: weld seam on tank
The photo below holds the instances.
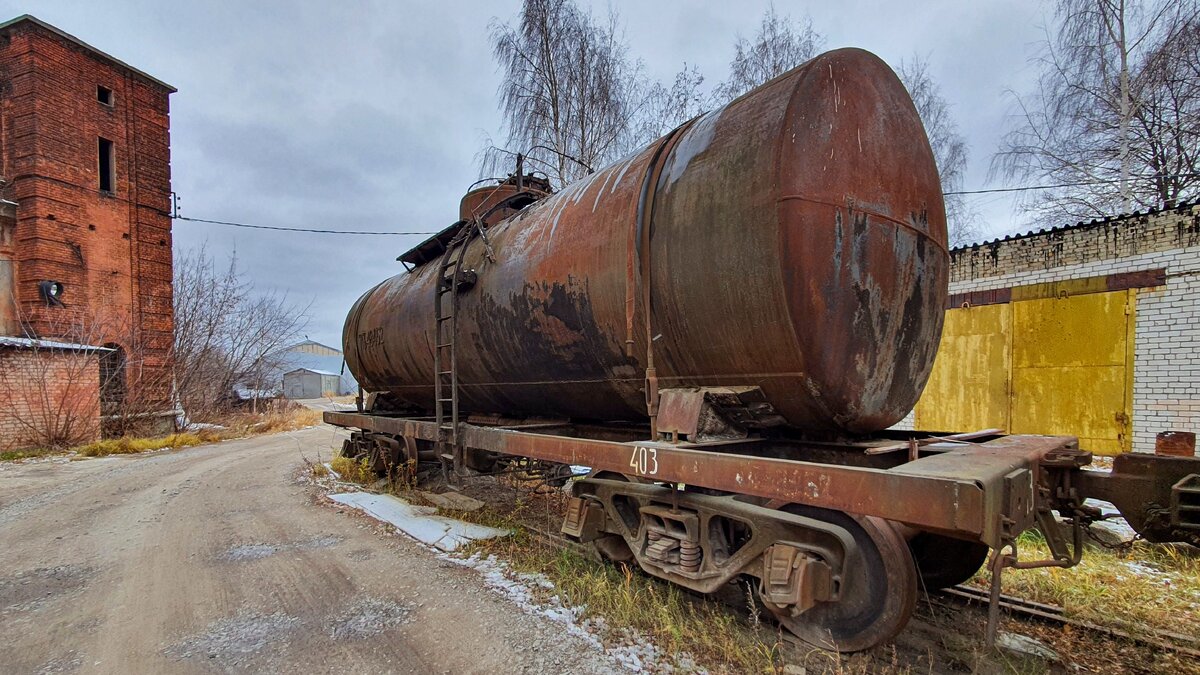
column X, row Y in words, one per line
column 883, row 216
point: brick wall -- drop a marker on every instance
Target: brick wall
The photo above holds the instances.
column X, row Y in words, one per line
column 1166, row 380
column 48, row 394
column 111, row 251
column 9, row 323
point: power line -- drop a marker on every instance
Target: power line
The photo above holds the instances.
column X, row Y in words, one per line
column 405, row 234
column 299, row 229
column 1112, row 181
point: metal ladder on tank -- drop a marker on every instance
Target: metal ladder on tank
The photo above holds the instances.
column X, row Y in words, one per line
column 445, row 379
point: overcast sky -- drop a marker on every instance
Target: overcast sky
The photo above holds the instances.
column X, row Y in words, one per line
column 360, row 115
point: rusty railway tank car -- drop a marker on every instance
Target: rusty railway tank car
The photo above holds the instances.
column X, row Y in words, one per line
column 722, row 326
column 793, row 240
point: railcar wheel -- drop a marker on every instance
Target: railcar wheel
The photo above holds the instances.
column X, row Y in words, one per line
column 943, row 561
column 878, row 588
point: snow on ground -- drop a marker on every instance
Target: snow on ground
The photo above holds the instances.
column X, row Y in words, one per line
column 628, row 649
column 632, row 651
column 1113, row 520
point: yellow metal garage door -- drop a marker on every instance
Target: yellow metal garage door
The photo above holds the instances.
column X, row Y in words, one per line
column 1050, row 365
column 968, row 389
column 1071, row 368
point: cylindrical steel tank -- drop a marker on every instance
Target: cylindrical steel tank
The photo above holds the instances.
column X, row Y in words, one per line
column 794, row 239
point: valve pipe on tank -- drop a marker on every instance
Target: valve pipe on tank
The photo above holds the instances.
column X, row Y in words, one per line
column 641, row 234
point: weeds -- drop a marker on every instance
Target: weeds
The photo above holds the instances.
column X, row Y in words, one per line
column 284, row 418
column 272, row 421
column 354, row 472
column 131, row 446
column 12, row 455
column 675, row 620
column 1150, row 584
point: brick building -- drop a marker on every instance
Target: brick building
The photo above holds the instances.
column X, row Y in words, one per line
column 1090, row 330
column 33, row 372
column 85, row 231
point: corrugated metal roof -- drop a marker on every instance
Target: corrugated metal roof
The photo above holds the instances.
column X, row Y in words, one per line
column 33, row 343
column 1184, row 206
column 109, row 57
column 313, row 370
column 313, row 342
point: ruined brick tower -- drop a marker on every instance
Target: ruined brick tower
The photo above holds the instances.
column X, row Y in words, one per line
column 85, row 231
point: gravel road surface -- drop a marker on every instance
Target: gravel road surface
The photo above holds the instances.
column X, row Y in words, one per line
column 216, row 559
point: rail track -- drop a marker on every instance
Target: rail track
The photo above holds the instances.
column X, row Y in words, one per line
column 1175, row 642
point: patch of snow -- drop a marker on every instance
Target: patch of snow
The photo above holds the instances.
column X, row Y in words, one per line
column 629, row 649
column 1144, row 570
column 1025, row 645
column 693, row 141
column 1114, row 521
column 632, row 651
column 419, row 522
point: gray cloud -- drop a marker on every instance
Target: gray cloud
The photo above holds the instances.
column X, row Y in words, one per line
column 368, row 115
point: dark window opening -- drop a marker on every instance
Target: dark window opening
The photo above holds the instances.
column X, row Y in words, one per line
column 108, row 166
column 104, row 95
column 112, row 378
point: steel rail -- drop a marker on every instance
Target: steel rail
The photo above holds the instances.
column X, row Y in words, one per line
column 1146, row 635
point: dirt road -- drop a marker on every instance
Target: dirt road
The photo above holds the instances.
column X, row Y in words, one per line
column 216, row 559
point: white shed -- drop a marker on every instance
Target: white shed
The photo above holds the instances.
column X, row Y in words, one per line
column 309, row 383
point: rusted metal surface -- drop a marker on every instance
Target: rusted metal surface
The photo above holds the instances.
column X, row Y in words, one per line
column 795, row 242
column 1146, row 489
column 968, row 491
column 1175, row 443
column 479, row 203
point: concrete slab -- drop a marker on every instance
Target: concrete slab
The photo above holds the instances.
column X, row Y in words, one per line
column 418, row 522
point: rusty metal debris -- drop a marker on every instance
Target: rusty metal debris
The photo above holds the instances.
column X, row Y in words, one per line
column 1175, row 443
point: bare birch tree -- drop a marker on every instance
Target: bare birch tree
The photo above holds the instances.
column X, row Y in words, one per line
column 227, row 334
column 779, row 45
column 949, row 147
column 1166, row 121
column 664, row 108
column 1112, row 106
column 568, row 90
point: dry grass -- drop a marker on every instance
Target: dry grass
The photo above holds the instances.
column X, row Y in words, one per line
column 131, row 446
column 676, row 620
column 1107, row 589
column 352, row 471
column 1150, row 585
column 238, row 425
column 13, row 455
column 270, row 422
